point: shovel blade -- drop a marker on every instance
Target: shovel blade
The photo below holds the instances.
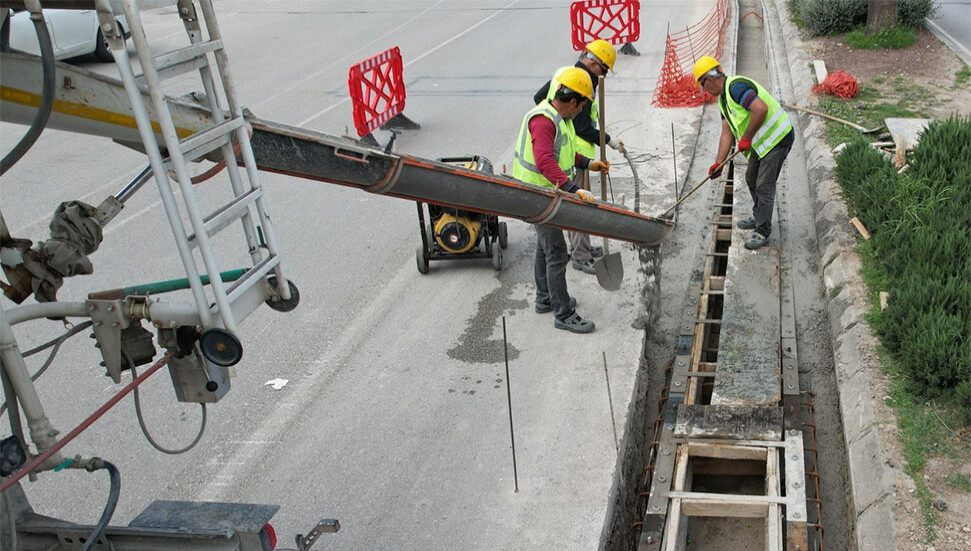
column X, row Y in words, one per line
column 610, row 271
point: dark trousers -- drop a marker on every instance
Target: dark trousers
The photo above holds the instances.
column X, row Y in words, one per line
column 761, row 177
column 549, row 269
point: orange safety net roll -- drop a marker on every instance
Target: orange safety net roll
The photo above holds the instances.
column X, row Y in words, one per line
column 676, row 85
column 838, row 83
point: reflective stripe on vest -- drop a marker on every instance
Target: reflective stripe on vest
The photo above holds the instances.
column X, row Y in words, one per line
column 524, row 166
column 583, row 147
column 773, row 129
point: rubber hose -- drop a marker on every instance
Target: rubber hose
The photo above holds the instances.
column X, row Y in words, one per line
column 16, row 424
column 46, row 100
column 113, row 494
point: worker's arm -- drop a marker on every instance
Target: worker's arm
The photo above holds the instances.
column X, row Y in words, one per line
column 541, row 132
column 542, row 93
column 758, row 110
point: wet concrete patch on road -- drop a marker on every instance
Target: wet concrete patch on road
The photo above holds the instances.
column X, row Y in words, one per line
column 477, row 343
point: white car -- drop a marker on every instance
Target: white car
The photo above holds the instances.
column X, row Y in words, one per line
column 73, row 33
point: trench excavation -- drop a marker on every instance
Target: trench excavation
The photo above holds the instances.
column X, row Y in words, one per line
column 724, row 449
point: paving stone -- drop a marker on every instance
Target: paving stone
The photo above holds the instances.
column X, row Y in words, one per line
column 856, row 406
column 868, row 477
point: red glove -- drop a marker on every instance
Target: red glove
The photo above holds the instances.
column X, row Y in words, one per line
column 744, row 144
column 715, row 170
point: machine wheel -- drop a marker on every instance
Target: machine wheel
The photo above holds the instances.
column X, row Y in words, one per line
column 279, row 304
column 503, row 235
column 422, row 257
column 497, row 258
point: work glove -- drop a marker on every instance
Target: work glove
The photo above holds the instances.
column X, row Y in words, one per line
column 616, row 144
column 744, row 144
column 715, row 170
column 600, row 166
column 586, row 195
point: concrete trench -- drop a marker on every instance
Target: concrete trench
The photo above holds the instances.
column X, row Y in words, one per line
column 855, row 487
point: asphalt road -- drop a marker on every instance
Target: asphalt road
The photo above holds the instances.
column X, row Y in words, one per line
column 394, row 416
column 954, row 18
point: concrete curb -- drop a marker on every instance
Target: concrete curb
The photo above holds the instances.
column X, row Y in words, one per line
column 955, row 46
column 871, row 478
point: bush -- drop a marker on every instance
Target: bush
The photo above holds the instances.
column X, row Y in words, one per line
column 921, row 248
column 839, row 16
column 894, row 38
column 913, row 12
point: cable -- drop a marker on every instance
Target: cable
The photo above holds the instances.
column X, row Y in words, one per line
column 16, row 424
column 56, row 343
column 11, row 520
column 46, row 99
column 114, row 492
column 148, row 436
column 40, row 459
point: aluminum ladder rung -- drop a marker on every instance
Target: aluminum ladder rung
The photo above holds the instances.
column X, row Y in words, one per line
column 257, row 272
column 200, row 143
column 227, row 214
column 185, row 59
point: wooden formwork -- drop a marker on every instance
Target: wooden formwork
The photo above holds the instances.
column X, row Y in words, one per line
column 754, row 439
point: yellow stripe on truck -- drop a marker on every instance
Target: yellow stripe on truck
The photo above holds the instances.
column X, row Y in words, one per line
column 22, row 97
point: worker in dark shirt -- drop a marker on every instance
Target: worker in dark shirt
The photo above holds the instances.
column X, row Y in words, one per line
column 545, row 156
column 751, row 116
column 598, row 58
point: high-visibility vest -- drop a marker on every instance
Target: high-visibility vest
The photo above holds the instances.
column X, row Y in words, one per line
column 524, row 165
column 773, row 129
column 583, row 147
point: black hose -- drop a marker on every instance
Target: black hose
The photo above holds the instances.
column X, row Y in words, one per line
column 113, row 494
column 46, row 100
column 16, row 424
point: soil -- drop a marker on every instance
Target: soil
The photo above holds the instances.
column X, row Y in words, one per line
column 929, row 65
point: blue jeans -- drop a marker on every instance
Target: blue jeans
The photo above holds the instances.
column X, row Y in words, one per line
column 549, row 270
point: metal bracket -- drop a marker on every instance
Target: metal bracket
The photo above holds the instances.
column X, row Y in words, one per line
column 325, row 526
column 109, row 319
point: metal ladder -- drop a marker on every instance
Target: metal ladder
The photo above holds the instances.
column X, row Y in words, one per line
column 235, row 301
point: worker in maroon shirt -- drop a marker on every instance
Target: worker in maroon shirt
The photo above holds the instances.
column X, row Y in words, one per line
column 545, row 156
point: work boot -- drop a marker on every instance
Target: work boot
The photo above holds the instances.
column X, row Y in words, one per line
column 542, row 308
column 584, row 266
column 756, row 241
column 575, row 324
column 746, row 224
column 596, row 252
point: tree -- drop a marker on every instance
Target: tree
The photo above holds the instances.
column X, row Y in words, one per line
column 880, row 14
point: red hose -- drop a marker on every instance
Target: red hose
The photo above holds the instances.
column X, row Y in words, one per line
column 87, row 423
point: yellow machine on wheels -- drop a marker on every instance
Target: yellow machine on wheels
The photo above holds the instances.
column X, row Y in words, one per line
column 454, row 234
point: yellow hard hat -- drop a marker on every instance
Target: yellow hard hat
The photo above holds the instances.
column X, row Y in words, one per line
column 702, row 66
column 604, row 51
column 577, row 80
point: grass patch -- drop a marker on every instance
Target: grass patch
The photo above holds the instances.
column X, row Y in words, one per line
column 893, row 38
column 959, row 482
column 868, row 109
column 962, row 76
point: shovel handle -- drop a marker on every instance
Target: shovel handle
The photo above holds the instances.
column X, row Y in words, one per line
column 603, row 136
column 694, row 189
column 826, row 116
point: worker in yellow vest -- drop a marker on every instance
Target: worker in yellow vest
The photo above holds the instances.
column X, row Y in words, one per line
column 753, row 118
column 545, row 156
column 598, row 58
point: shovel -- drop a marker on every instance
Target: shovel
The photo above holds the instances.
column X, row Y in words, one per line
column 697, row 187
column 609, row 267
column 837, row 119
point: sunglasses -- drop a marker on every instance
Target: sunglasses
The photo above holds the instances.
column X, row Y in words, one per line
column 599, row 63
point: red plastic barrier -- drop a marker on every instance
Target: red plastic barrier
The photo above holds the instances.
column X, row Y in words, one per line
column 377, row 90
column 676, row 85
column 616, row 21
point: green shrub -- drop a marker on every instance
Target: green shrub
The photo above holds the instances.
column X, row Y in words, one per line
column 894, row 38
column 920, row 223
column 832, row 16
column 839, row 16
column 913, row 12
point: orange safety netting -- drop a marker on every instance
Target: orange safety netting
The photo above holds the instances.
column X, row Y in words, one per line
column 838, row 83
column 676, row 85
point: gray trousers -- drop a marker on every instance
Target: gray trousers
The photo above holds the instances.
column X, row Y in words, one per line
column 761, row 177
column 580, row 242
column 549, row 270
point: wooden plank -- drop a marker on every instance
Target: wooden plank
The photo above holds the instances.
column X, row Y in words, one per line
column 723, row 234
column 676, row 526
column 773, row 521
column 727, row 499
column 703, row 508
column 716, row 283
column 860, row 228
column 748, row 443
column 749, row 364
column 726, row 451
column 721, row 467
column 718, row 421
